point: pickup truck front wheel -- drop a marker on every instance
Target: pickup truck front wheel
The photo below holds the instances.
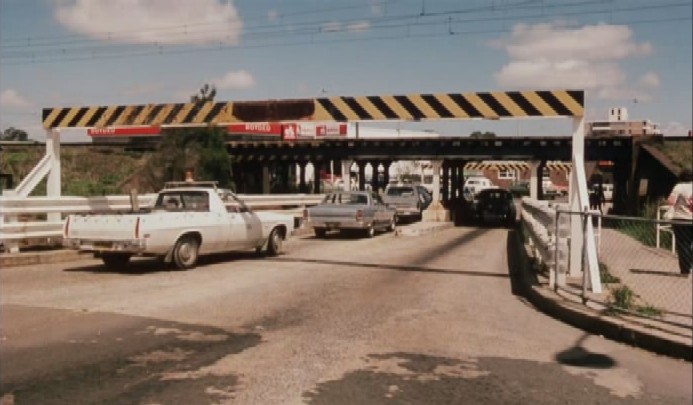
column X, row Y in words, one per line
column 115, row 261
column 186, row 252
column 275, row 242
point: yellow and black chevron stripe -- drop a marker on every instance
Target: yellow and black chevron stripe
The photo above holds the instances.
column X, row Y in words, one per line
column 518, row 166
column 493, row 105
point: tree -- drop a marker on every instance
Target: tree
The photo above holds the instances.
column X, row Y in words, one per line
column 207, row 93
column 202, row 150
column 14, row 134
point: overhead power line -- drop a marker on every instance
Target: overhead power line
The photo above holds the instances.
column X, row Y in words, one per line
column 311, row 33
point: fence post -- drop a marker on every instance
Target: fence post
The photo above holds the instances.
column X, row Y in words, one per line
column 587, row 216
column 553, row 274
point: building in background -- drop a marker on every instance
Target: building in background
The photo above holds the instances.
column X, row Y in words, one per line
column 619, row 124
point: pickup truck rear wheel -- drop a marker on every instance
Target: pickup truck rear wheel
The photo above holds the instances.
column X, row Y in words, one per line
column 370, row 231
column 275, row 242
column 186, row 252
column 115, row 261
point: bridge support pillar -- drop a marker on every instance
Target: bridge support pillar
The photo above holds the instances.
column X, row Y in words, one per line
column 362, row 175
column 386, row 173
column 302, row 177
column 436, row 212
column 346, row 174
column 265, row 178
column 375, row 183
column 534, row 179
column 454, row 180
column 446, row 181
column 317, row 180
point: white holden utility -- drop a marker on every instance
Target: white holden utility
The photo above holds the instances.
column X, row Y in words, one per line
column 186, row 221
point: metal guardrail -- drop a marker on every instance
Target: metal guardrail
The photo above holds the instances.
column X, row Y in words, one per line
column 14, row 229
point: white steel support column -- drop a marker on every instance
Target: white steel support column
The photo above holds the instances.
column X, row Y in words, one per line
column 346, row 174
column 576, row 225
column 534, row 179
column 53, row 183
column 436, row 165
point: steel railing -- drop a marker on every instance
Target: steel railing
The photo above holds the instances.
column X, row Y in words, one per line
column 24, row 218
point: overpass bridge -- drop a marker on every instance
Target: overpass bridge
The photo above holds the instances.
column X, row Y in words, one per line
column 257, row 158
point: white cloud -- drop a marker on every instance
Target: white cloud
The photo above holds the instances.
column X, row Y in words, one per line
column 152, row 21
column 361, row 26
column 554, row 55
column 649, row 80
column 273, row 15
column 235, row 79
column 12, row 99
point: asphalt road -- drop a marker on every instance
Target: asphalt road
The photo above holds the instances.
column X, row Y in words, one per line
column 430, row 319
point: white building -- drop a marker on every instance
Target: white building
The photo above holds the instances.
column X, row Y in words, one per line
column 619, row 124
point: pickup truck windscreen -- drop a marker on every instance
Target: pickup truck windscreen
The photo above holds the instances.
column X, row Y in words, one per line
column 346, row 198
column 400, row 191
column 183, row 201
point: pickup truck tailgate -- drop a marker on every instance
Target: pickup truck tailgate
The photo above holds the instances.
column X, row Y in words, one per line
column 102, row 227
column 336, row 213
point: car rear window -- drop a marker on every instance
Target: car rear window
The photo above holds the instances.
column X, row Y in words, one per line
column 400, row 191
column 494, row 194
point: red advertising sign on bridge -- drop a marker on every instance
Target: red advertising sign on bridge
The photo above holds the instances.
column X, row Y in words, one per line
column 125, row 131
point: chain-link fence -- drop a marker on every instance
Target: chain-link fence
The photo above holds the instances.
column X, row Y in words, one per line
column 642, row 263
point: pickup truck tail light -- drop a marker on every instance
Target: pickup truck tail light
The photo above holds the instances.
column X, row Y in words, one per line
column 67, row 227
column 359, row 215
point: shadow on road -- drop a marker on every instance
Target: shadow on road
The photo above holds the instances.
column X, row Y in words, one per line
column 142, row 266
column 578, row 356
column 421, row 269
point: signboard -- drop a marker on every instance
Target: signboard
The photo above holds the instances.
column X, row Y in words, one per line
column 256, row 128
column 293, row 131
column 124, row 131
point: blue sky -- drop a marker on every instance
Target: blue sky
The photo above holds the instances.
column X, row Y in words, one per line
column 631, row 53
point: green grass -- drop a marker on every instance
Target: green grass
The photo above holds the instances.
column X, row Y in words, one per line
column 605, row 276
column 623, row 298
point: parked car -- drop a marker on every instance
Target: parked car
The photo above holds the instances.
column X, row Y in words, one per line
column 350, row 210
column 185, row 222
column 427, row 196
column 495, row 205
column 408, row 200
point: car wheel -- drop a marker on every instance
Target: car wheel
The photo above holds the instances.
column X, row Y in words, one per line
column 391, row 226
column 186, row 252
column 320, row 232
column 275, row 242
column 115, row 261
column 370, row 231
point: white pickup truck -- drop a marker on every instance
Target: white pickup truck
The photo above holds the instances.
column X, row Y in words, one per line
column 184, row 222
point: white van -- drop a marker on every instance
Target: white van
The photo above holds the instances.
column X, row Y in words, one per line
column 477, row 183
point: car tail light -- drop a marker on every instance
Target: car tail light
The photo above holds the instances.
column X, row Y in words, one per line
column 359, row 215
column 137, row 228
column 67, row 227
